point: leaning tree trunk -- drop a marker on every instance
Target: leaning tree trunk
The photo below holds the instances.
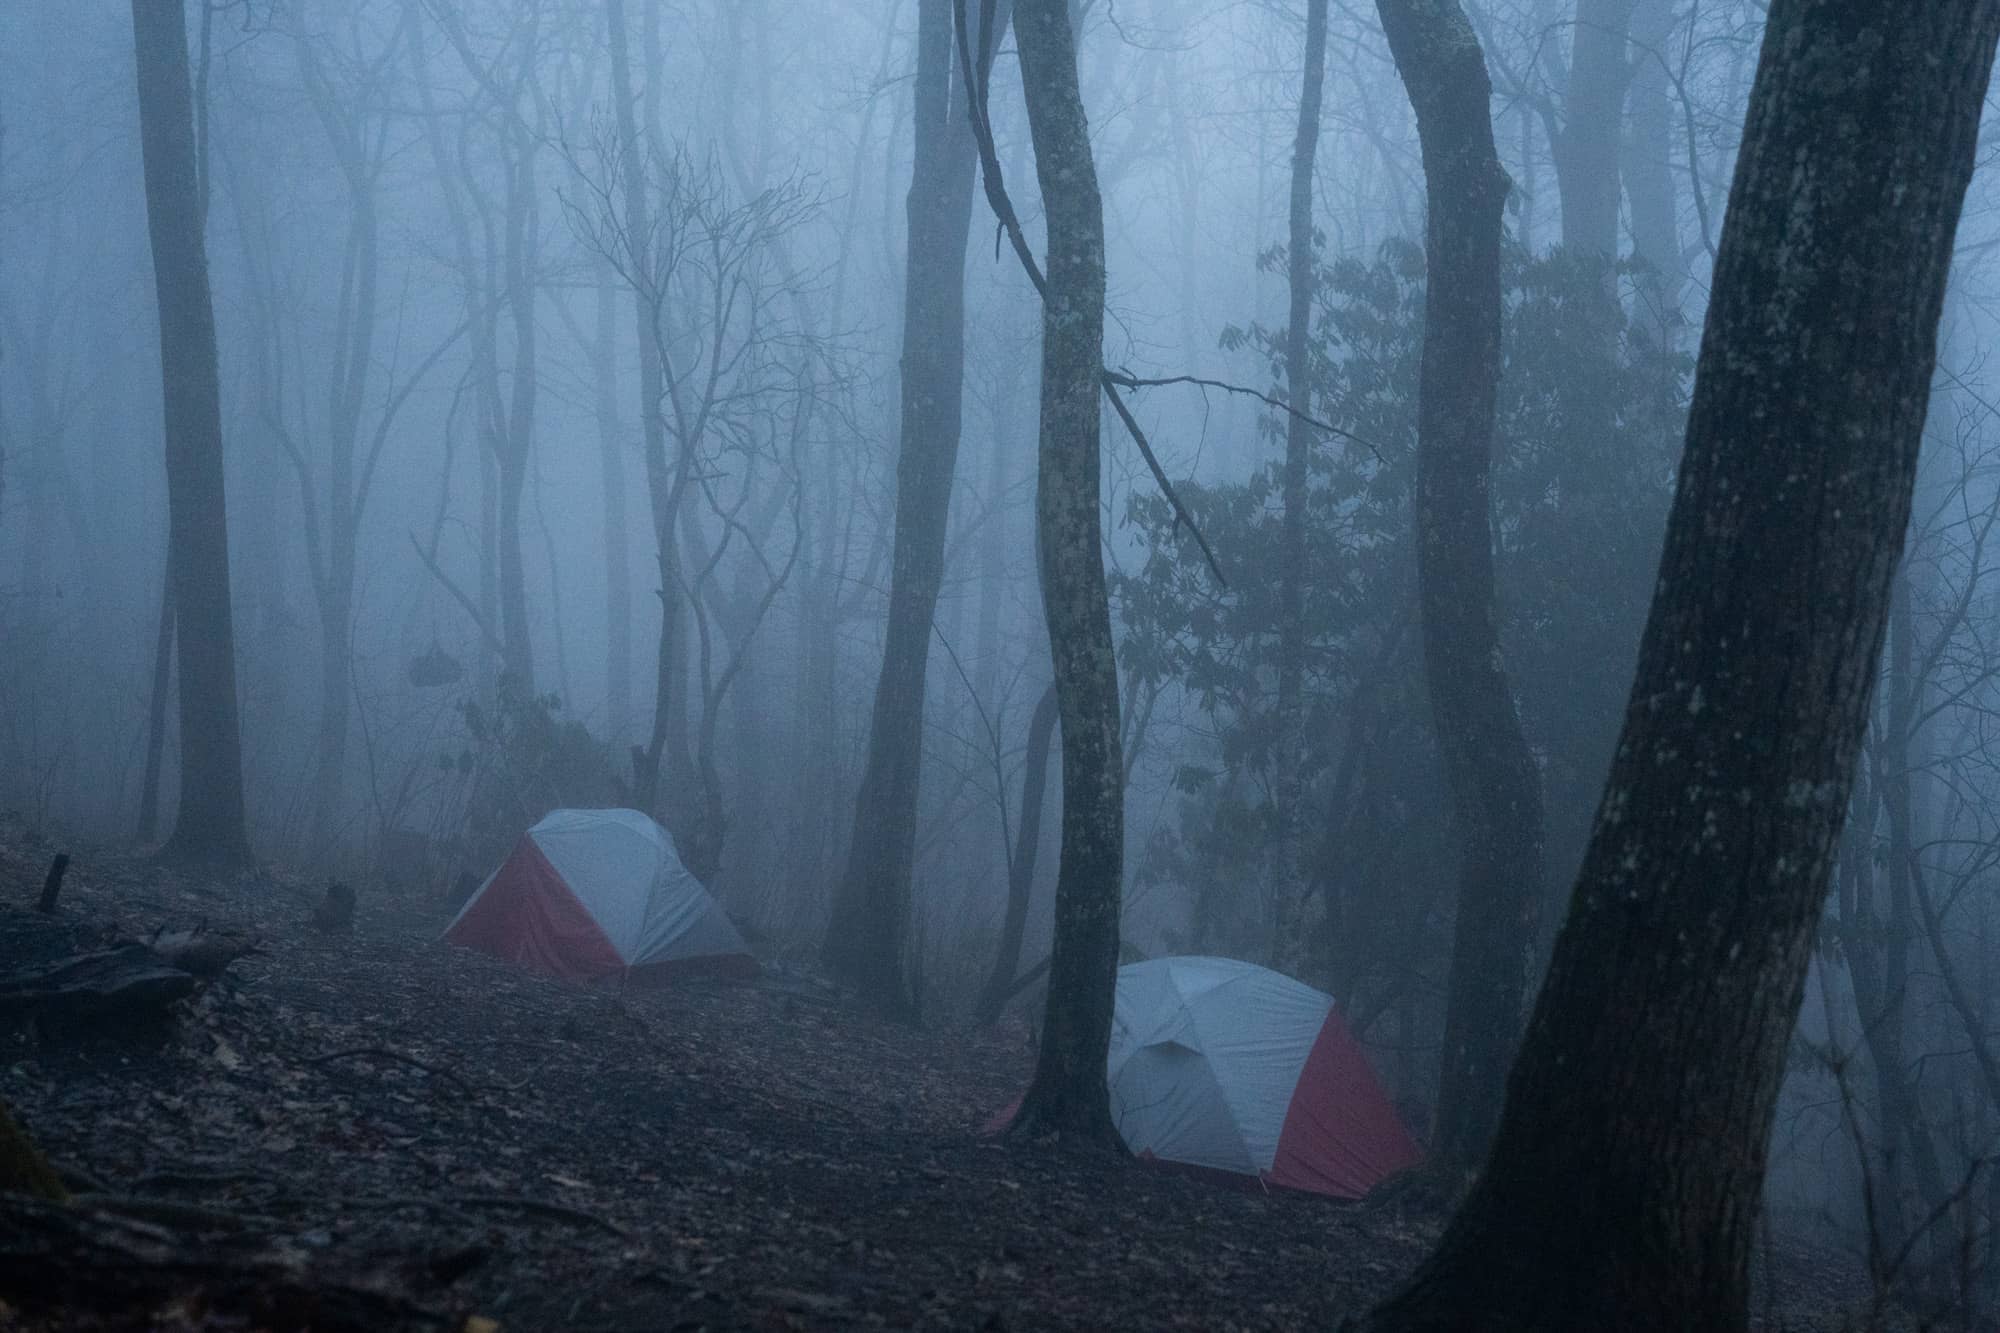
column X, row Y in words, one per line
column 209, row 826
column 1290, row 936
column 1068, row 1095
column 866, row 935
column 1495, row 785
column 1622, row 1190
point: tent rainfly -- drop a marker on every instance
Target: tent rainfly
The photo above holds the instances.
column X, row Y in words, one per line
column 1226, row 1066
column 589, row 895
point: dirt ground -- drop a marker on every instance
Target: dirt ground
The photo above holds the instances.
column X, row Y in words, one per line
column 377, row 1131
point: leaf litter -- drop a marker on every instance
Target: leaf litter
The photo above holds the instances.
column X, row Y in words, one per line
column 376, row 1131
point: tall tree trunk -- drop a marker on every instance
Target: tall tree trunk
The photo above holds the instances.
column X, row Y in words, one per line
column 489, row 537
column 817, row 708
column 261, row 523
column 510, row 276
column 454, row 179
column 209, row 826
column 867, row 933
column 674, row 740
column 156, row 711
column 1291, row 930
column 516, row 655
column 4, row 437
column 1495, row 785
column 517, row 440
column 336, row 640
column 1649, row 177
column 347, row 391
column 667, row 739
column 617, row 554
column 1586, row 154
column 1008, row 362
column 1622, row 1190
column 1021, row 870
column 1068, row 1095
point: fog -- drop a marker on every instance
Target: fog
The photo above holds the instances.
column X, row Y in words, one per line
column 445, row 483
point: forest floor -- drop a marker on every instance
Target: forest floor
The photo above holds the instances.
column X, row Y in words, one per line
column 376, row 1131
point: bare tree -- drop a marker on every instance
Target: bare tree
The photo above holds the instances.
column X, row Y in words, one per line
column 1622, row 1189
column 335, row 481
column 1937, row 677
column 209, row 825
column 725, row 624
column 506, row 277
column 724, row 383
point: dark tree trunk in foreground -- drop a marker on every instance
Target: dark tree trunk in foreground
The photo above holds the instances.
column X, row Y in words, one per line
column 1495, row 786
column 209, row 826
column 866, row 935
column 1290, row 935
column 1068, row 1096
column 1622, row 1190
column 1021, row 872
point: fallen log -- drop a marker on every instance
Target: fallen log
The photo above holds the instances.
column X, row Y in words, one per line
column 123, row 980
column 200, row 952
column 78, row 1259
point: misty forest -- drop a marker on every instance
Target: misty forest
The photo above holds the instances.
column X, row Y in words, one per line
column 999, row 664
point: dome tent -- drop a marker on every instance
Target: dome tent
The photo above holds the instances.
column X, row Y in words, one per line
column 1226, row 1066
column 594, row 894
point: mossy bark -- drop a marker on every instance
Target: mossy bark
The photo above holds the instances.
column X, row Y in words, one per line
column 1068, row 1096
column 1623, row 1186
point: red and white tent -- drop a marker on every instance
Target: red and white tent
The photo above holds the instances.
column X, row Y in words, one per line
column 1227, row 1066
column 593, row 894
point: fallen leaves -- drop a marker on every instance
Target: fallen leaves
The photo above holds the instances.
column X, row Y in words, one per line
column 379, row 1129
